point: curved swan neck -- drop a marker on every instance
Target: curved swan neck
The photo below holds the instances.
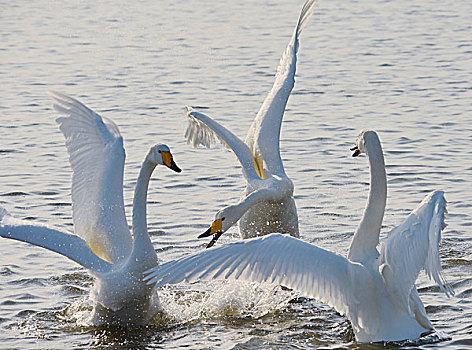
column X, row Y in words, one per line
column 247, row 202
column 142, row 241
column 366, row 237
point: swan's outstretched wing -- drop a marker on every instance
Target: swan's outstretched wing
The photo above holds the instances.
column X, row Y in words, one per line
column 97, row 159
column 202, row 130
column 284, row 260
column 53, row 239
column 414, row 245
column 264, row 134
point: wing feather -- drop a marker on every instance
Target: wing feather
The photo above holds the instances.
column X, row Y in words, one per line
column 264, row 134
column 97, row 157
column 202, row 130
column 284, row 260
column 54, row 239
column 414, row 245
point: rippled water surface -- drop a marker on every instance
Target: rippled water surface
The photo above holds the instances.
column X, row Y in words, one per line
column 403, row 68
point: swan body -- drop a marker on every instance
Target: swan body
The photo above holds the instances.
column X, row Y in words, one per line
column 273, row 209
column 374, row 289
column 102, row 242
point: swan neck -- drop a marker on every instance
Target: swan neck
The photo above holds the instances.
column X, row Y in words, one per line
column 366, row 237
column 142, row 241
column 247, row 202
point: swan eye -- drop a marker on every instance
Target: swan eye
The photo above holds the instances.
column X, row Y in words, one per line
column 159, row 151
column 223, row 218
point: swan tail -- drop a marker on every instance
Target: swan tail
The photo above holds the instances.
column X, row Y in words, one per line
column 56, row 240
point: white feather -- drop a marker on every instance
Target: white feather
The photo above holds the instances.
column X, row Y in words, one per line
column 263, row 137
column 376, row 291
column 53, row 239
column 267, row 205
column 280, row 259
column 97, row 159
column 414, row 245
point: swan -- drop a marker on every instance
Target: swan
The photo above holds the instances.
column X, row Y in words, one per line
column 103, row 243
column 374, row 289
column 267, row 204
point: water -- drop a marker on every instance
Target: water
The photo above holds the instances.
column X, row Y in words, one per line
column 402, row 68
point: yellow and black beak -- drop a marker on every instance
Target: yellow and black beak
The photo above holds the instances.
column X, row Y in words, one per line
column 215, row 229
column 356, row 151
column 169, row 161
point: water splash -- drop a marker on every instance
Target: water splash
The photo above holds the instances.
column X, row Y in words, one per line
column 215, row 299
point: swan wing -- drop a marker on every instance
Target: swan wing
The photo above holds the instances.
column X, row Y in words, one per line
column 204, row 131
column 264, row 134
column 414, row 245
column 54, row 239
column 97, row 157
column 284, row 260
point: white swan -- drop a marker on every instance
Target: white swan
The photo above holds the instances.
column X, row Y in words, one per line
column 267, row 204
column 375, row 290
column 103, row 244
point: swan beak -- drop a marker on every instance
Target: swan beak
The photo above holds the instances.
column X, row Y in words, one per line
column 215, row 229
column 214, row 239
column 356, row 151
column 169, row 161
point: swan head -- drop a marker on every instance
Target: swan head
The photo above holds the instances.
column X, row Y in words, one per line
column 364, row 136
column 224, row 219
column 160, row 154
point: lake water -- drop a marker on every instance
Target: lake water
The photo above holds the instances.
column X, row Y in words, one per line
column 403, row 68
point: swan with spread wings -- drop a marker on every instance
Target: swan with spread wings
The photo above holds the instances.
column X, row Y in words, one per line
column 102, row 242
column 374, row 288
column 267, row 204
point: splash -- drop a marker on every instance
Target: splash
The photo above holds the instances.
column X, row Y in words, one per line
column 188, row 303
